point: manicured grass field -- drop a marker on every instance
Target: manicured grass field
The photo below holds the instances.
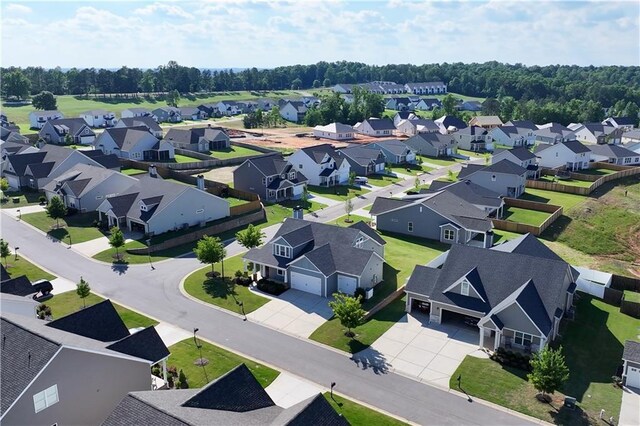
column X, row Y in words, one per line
column 22, row 266
column 179, row 158
column 342, row 220
column 570, row 182
column 526, row 216
column 359, row 415
column 276, row 213
column 69, row 302
column 412, row 170
column 592, row 346
column 441, row 161
column 78, row 226
column 24, row 199
column 552, row 197
column 631, row 296
column 234, row 152
column 185, row 353
column 382, row 180
column 223, row 294
column 336, row 192
column 500, row 236
column 132, row 172
column 473, row 154
column 597, row 172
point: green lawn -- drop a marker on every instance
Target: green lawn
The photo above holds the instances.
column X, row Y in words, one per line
column 500, row 236
column 570, row 182
column 441, row 161
column 68, row 302
column 552, row 197
column 411, row 169
column 359, row 415
column 179, row 158
column 185, row 353
column 78, row 226
column 276, row 213
column 233, row 152
column 235, row 201
column 24, row 199
column 132, row 172
column 597, row 172
column 631, row 296
column 473, row 154
column 336, row 192
column 223, row 294
column 22, row 266
column 597, row 325
column 382, row 180
column 526, row 216
column 342, row 220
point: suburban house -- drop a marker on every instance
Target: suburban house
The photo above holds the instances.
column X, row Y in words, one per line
column 154, row 206
column 516, row 292
column 37, row 119
column 210, row 110
column 403, row 115
column 614, row 154
column 416, row 126
column 167, row 114
column 235, row 398
column 523, row 124
column 432, row 144
column 36, row 169
column 474, row 138
column 5, row 123
column 192, row 113
column 99, row 118
column 428, row 88
column 624, row 123
column 322, row 165
column 334, row 131
column 364, row 160
column 469, row 106
column 597, row 133
column 399, row 104
column 487, row 122
column 135, row 143
column 631, row 364
column 321, row 259
column 201, row 139
column 484, row 199
column 146, row 121
column 504, row 177
column 13, row 136
column 552, row 133
column 631, row 136
column 395, row 151
column 440, row 216
column 135, row 112
column 520, row 156
column 449, row 124
column 56, row 131
column 271, row 177
column 513, row 136
column 293, row 111
column 428, row 104
column 376, row 127
column 49, row 369
column 15, row 146
column 571, row 155
column 266, row 104
column 229, row 108
column 85, row 187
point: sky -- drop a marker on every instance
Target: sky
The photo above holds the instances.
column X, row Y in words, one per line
column 270, row 33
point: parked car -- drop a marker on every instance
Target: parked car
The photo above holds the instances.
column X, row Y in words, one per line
column 361, row 180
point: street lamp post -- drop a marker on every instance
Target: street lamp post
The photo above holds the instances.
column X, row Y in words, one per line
column 16, row 253
column 333, row 384
column 149, row 253
column 241, row 305
column 199, row 346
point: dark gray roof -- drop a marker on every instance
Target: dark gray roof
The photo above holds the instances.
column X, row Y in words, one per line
column 45, row 113
column 528, row 244
column 523, row 124
column 363, row 155
column 145, row 121
column 468, row 191
column 274, row 164
column 521, row 153
column 318, row 152
column 381, row 124
column 73, row 125
column 530, row 301
column 383, row 205
column 127, row 137
column 631, row 351
column 576, row 147
column 312, row 411
column 189, row 110
column 361, row 226
column 422, row 280
column 394, row 146
column 134, row 411
column 40, row 170
column 192, row 136
column 109, row 161
column 19, row 162
column 612, row 151
column 502, row 166
column 99, row 322
column 24, row 355
column 624, row 121
column 473, row 131
column 403, row 115
column 145, row 344
column 120, row 204
column 436, row 140
column 451, row 120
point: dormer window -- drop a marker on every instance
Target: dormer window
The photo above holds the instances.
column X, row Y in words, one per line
column 143, row 207
column 464, row 287
column 292, row 175
column 282, row 251
column 359, row 242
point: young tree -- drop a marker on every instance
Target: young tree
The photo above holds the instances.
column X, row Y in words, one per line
column 45, row 101
column 305, row 196
column 4, row 251
column 173, row 97
column 449, row 104
column 349, row 311
column 56, row 209
column 348, row 207
column 182, row 381
column 352, row 178
column 116, row 240
column 83, row 290
column 416, row 183
column 549, row 371
column 4, row 184
column 210, row 250
column 250, row 237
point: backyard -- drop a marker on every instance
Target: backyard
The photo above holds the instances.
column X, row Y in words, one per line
column 24, row 199
column 233, row 152
column 132, row 172
column 597, row 325
column 526, row 216
column 570, row 182
column 179, row 158
column 78, row 227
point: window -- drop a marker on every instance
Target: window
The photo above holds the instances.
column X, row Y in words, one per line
column 522, row 339
column 46, row 398
column 464, row 288
column 281, row 272
column 449, row 234
column 299, row 166
column 98, row 197
column 627, row 160
column 292, row 175
column 264, row 180
column 272, row 194
column 410, row 227
column 280, row 250
column 359, row 242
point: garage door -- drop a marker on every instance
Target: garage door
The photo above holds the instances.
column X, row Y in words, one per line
column 633, row 377
column 380, row 167
column 306, row 283
column 87, row 140
column 346, row 284
column 14, row 181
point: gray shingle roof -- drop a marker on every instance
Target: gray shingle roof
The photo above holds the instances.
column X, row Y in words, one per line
column 127, row 137
column 631, row 351
column 394, row 146
column 361, row 226
column 363, row 155
column 468, row 191
column 74, row 125
column 317, row 153
column 145, row 344
column 521, row 153
column 422, row 280
column 133, row 411
column 381, row 124
column 145, row 121
column 473, row 131
column 312, row 411
column 524, row 124
column 436, row 140
column 502, row 166
column 99, row 322
column 451, row 120
column 612, row 151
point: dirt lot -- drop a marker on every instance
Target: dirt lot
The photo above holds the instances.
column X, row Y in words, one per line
column 286, row 139
column 222, row 174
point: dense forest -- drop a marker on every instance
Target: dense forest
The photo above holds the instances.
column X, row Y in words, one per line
column 553, row 83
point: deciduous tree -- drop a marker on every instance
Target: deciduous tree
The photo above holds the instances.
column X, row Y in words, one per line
column 549, row 370
column 56, row 209
column 211, row 250
column 348, row 310
column 45, row 101
column 4, row 251
column 83, row 291
column 116, row 240
column 250, row 237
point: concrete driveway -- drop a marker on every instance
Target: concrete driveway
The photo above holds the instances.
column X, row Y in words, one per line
column 294, row 312
column 630, row 409
column 427, row 352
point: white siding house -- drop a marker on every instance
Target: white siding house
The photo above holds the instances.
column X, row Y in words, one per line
column 334, row 131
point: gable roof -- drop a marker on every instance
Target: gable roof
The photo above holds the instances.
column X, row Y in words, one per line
column 622, row 121
column 193, row 135
column 574, row 146
column 631, row 351
column 312, row 411
column 502, row 166
column 18, row 286
column 521, row 153
column 369, row 231
column 126, row 138
column 436, row 140
column 468, row 191
column 380, row 123
column 363, row 155
column 448, row 121
column 487, row 120
column 394, row 146
column 145, row 344
column 523, row 124
column 335, row 128
column 71, row 125
column 99, row 322
column 318, row 152
column 473, row 131
column 612, row 151
column 83, row 178
column 146, row 121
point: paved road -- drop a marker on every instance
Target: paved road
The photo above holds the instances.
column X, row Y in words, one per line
column 155, row 292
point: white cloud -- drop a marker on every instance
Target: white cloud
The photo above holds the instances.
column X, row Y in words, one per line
column 168, row 9
column 18, row 8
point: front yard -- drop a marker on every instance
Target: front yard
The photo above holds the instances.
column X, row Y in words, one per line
column 381, row 180
column 223, row 293
column 359, row 415
column 24, row 199
column 22, row 266
column 570, row 182
column 411, row 169
column 526, row 216
column 338, row 193
column 79, row 226
column 441, row 161
column 592, row 344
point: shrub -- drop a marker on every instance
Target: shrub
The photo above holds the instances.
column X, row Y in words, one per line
column 238, row 274
column 42, row 199
column 360, row 292
column 182, row 381
column 271, row 287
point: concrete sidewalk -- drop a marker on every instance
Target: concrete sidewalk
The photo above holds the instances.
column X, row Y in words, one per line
column 630, row 409
column 323, row 200
column 287, row 390
column 24, row 210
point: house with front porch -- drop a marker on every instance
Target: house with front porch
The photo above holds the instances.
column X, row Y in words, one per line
column 571, row 155
column 99, row 118
column 416, row 126
column 433, row 144
column 440, row 216
column 65, row 130
column 200, row 139
column 504, row 177
column 512, row 136
column 321, row 165
column 474, row 138
column 144, row 121
column 517, row 292
column 167, row 114
column 271, row 177
column 319, row 258
column 377, row 127
column 395, row 151
column 449, row 124
column 135, row 143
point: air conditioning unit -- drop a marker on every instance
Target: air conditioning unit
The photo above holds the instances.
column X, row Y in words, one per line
column 368, row 293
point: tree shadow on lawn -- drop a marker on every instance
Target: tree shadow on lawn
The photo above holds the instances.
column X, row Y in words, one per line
column 220, row 289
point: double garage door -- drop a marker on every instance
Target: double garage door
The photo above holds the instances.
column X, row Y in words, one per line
column 306, row 283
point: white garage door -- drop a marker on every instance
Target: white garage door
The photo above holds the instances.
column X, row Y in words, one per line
column 346, row 284
column 14, row 181
column 306, row 283
column 380, row 167
column 87, row 140
column 633, row 377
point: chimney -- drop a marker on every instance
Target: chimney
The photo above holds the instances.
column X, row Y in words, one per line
column 152, row 171
column 488, row 239
column 298, row 212
column 200, row 182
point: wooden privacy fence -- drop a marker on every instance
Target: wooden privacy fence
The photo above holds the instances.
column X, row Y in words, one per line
column 384, row 302
column 620, row 172
column 523, row 228
column 622, row 283
column 210, row 161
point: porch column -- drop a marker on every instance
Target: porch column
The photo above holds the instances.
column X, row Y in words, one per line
column 481, row 337
column 164, row 370
column 407, row 304
column 496, row 343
